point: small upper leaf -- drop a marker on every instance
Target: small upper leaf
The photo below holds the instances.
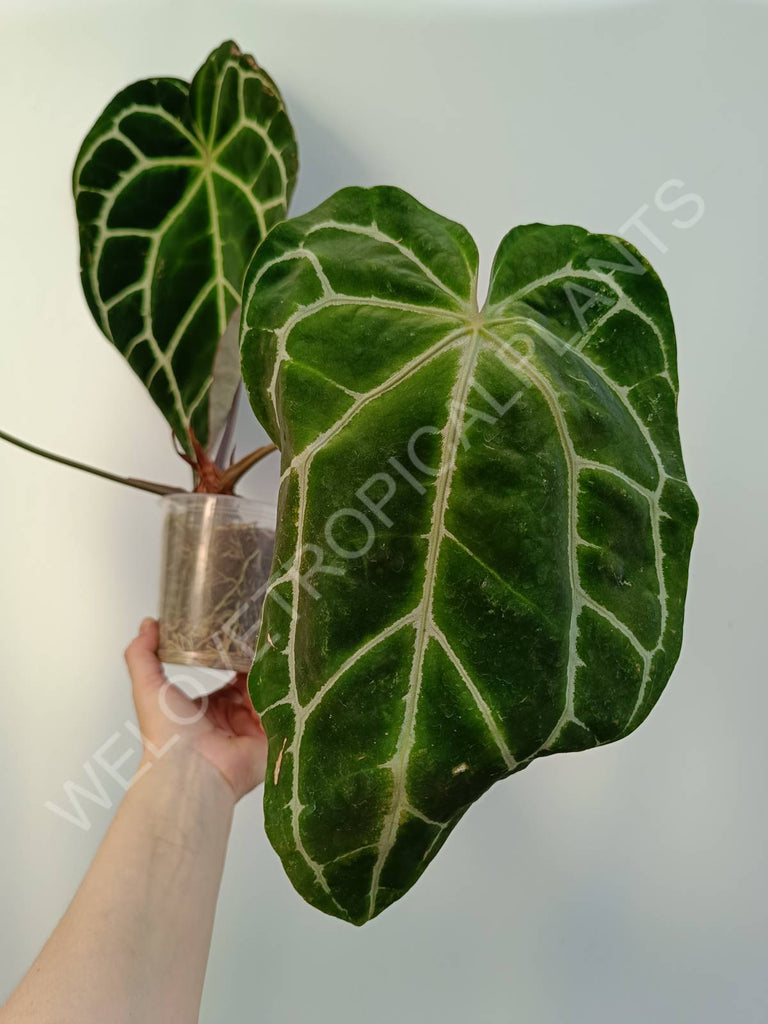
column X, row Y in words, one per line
column 175, row 185
column 484, row 527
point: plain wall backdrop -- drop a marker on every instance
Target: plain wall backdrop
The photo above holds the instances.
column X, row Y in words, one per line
column 626, row 883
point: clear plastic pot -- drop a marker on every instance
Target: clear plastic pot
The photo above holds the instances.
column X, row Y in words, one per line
column 217, row 554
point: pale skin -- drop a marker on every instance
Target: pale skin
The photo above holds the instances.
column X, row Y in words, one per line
column 133, row 945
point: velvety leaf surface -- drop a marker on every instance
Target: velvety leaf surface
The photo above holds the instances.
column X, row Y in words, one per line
column 174, row 186
column 484, row 524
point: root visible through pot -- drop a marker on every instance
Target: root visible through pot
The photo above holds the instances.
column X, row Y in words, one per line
column 213, row 591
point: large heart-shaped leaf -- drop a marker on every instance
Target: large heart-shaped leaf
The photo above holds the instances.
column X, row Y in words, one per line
column 484, row 524
column 175, row 185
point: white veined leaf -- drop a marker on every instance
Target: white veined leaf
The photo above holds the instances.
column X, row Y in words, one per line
column 175, row 186
column 484, row 525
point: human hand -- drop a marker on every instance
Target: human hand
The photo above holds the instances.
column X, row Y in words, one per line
column 223, row 728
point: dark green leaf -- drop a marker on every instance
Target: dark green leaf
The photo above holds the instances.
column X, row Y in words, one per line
column 175, row 185
column 484, row 526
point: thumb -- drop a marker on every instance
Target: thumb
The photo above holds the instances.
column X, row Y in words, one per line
column 161, row 708
column 141, row 658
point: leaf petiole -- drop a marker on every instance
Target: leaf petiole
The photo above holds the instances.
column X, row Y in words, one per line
column 142, row 485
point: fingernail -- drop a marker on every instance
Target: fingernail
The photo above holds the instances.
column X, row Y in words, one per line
column 145, row 625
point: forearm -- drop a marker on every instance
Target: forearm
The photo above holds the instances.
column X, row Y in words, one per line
column 133, row 945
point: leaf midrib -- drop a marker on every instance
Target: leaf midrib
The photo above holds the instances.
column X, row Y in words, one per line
column 423, row 615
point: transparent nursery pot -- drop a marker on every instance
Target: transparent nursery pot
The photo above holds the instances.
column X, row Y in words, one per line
column 217, row 554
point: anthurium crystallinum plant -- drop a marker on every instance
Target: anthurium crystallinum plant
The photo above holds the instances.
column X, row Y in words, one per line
column 175, row 186
column 484, row 524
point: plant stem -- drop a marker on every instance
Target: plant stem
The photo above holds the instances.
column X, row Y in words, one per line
column 223, row 453
column 129, row 481
column 232, row 475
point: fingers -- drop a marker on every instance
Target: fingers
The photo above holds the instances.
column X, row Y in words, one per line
column 231, row 709
column 141, row 656
column 245, row 722
column 235, row 692
column 254, row 726
column 240, row 681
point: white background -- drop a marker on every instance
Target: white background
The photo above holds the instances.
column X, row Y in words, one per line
column 623, row 884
